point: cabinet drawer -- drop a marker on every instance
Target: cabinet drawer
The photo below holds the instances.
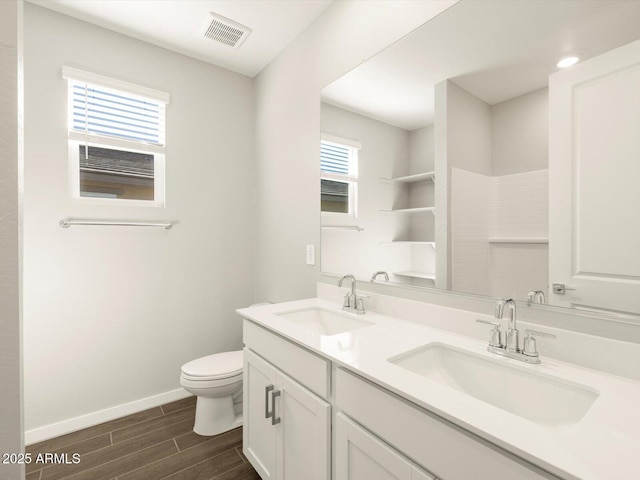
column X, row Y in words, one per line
column 306, row 367
column 437, row 445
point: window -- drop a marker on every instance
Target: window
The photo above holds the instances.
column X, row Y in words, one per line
column 338, row 176
column 116, row 139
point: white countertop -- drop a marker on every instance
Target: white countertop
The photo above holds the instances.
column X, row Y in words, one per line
column 604, row 444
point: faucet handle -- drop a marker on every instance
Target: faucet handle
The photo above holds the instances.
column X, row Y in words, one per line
column 529, row 348
column 360, row 305
column 496, row 335
column 347, row 300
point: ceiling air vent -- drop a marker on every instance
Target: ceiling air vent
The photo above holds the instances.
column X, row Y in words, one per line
column 226, row 31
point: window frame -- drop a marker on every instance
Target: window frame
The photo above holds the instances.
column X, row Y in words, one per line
column 76, row 138
column 74, row 177
column 351, row 178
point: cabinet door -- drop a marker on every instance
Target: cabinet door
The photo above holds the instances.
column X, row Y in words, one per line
column 594, row 148
column 259, row 435
column 303, row 432
column 361, row 456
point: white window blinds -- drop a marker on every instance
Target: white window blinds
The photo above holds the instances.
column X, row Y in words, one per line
column 102, row 111
column 120, row 113
column 335, row 158
column 339, row 157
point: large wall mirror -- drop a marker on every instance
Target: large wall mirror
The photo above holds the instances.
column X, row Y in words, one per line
column 443, row 163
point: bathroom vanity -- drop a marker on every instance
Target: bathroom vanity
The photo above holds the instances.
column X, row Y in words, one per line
column 330, row 394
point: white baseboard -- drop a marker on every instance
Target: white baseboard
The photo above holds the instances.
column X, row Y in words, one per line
column 90, row 419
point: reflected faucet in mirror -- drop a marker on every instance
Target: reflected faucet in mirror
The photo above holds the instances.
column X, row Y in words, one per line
column 381, row 272
column 535, row 296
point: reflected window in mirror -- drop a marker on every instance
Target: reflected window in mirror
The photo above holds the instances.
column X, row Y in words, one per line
column 338, row 176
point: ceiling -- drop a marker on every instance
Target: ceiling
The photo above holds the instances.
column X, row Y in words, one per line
column 494, row 49
column 179, row 25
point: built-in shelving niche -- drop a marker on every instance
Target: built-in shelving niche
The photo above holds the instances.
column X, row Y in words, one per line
column 418, row 272
column 410, row 211
column 418, row 177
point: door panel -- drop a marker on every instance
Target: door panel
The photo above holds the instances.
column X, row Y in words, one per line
column 258, row 435
column 594, row 147
column 361, row 456
column 303, row 432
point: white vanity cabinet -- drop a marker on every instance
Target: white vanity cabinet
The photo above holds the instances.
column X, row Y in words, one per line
column 362, row 456
column 287, row 428
column 378, row 435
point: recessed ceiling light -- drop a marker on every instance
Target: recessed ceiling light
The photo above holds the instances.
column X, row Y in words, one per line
column 567, row 62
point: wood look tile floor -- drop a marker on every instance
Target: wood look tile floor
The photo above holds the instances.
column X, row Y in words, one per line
column 156, row 444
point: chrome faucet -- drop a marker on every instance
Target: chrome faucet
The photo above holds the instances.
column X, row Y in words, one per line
column 352, row 302
column 511, row 348
column 535, row 296
column 512, row 340
column 384, row 274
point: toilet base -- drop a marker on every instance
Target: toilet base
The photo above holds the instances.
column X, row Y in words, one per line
column 215, row 416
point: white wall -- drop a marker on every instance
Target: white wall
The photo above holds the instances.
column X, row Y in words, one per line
column 468, row 131
column 288, row 131
column 11, row 438
column 421, row 150
column 111, row 313
column 520, row 134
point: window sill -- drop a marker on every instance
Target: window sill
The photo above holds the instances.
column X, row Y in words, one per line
column 116, row 202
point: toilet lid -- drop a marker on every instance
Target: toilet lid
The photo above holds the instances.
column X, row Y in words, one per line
column 218, row 365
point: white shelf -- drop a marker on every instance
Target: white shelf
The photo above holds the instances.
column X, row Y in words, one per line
column 408, row 242
column 342, row 227
column 413, row 274
column 410, row 211
column 418, row 177
column 531, row 240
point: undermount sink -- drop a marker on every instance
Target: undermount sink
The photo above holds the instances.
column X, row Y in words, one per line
column 324, row 321
column 532, row 395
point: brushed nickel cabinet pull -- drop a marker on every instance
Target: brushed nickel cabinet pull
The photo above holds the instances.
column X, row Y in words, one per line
column 275, row 419
column 267, row 389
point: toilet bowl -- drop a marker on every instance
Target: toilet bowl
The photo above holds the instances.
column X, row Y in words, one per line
column 217, row 382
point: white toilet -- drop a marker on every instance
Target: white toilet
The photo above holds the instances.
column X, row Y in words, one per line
column 217, row 382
